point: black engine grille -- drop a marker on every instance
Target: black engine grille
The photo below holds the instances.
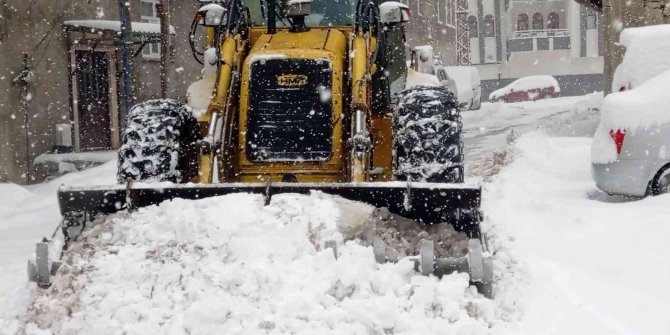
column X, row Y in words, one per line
column 290, row 108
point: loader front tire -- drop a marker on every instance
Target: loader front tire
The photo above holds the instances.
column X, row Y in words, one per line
column 159, row 143
column 427, row 136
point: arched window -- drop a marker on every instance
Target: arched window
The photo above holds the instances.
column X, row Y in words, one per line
column 522, row 22
column 473, row 27
column 538, row 21
column 489, row 26
column 553, row 21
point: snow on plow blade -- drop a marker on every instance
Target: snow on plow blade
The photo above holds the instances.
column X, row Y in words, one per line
column 427, row 203
column 424, row 202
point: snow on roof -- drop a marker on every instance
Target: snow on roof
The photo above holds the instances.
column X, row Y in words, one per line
column 527, row 83
column 137, row 27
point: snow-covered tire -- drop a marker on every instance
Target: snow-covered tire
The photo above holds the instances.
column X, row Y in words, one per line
column 427, row 136
column 159, row 143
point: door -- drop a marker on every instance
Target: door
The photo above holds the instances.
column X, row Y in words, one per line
column 93, row 100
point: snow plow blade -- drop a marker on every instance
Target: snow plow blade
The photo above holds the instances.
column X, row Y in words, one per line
column 423, row 202
column 426, row 203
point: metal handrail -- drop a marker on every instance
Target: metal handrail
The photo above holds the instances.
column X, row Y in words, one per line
column 540, row 33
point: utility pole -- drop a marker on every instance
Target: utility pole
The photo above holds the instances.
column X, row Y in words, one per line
column 126, row 28
column 24, row 80
column 164, row 15
column 462, row 33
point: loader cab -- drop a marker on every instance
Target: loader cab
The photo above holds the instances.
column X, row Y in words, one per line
column 294, row 102
column 323, row 13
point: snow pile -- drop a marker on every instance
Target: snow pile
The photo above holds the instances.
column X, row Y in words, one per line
column 526, row 84
column 636, row 110
column 27, row 214
column 592, row 266
column 647, row 55
column 232, row 265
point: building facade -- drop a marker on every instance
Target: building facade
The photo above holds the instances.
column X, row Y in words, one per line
column 433, row 22
column 70, row 50
column 510, row 39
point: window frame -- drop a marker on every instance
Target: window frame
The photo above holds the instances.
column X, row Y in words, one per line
column 474, row 33
column 490, row 26
column 148, row 52
column 523, row 22
column 537, row 22
column 441, row 11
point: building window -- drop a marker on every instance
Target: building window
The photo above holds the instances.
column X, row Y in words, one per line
column 522, row 22
column 451, row 12
column 473, row 27
column 553, row 21
column 591, row 20
column 149, row 14
column 414, row 7
column 441, row 11
column 489, row 26
column 538, row 21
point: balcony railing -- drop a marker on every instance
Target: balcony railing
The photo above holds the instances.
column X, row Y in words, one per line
column 540, row 33
column 538, row 40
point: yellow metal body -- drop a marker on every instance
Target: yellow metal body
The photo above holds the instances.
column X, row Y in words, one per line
column 349, row 55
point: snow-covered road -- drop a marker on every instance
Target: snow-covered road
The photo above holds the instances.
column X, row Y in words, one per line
column 488, row 129
column 590, row 263
column 569, row 259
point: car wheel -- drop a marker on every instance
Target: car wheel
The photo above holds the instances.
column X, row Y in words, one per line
column 661, row 183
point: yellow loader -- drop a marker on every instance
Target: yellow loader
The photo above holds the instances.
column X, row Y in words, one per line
column 301, row 96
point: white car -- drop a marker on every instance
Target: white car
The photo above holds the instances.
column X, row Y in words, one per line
column 465, row 81
column 631, row 149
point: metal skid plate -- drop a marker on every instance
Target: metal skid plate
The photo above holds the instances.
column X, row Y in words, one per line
column 430, row 203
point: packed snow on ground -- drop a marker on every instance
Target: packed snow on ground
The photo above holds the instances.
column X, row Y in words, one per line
column 27, row 214
column 526, row 84
column 647, row 55
column 233, row 265
column 593, row 264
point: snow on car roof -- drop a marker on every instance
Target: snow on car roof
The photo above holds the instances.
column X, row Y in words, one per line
column 137, row 27
column 647, row 55
column 642, row 107
column 527, row 83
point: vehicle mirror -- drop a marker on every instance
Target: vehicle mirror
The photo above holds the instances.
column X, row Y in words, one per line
column 294, row 8
column 211, row 15
column 393, row 12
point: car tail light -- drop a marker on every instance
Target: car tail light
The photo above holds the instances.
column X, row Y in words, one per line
column 618, row 137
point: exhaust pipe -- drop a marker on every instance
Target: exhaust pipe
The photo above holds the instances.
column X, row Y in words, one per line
column 272, row 16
